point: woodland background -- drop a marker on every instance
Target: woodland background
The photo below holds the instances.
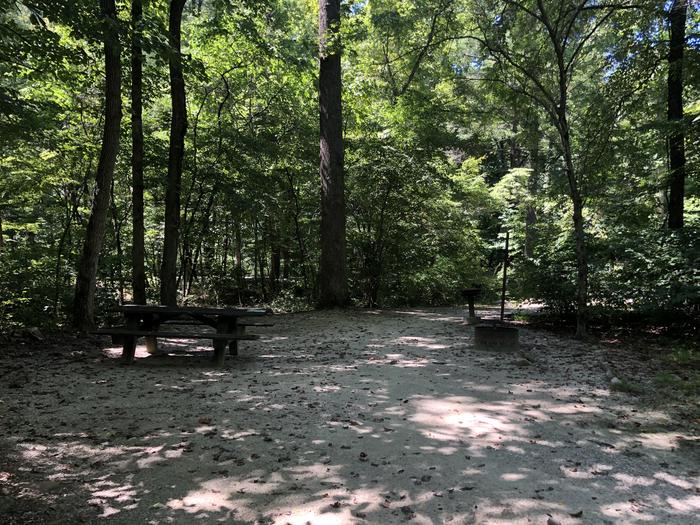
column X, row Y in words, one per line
column 446, row 150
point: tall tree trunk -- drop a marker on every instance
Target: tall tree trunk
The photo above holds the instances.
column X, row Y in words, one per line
column 676, row 146
column 138, row 250
column 178, row 127
column 579, row 228
column 564, row 130
column 84, row 300
column 332, row 279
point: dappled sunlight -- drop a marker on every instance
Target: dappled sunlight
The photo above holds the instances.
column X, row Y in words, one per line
column 395, row 429
column 419, row 342
column 457, row 418
column 507, row 510
column 674, row 480
column 688, row 505
column 112, row 497
column 169, row 348
column 655, row 440
column 627, row 512
column 430, row 316
column 626, row 481
column 577, row 472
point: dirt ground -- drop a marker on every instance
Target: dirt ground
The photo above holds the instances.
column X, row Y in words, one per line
column 337, row 418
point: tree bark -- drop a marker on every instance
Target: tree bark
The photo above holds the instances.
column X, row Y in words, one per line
column 86, row 281
column 178, row 127
column 579, row 227
column 138, row 250
column 117, row 224
column 296, row 214
column 564, row 130
column 256, row 259
column 676, row 139
column 332, row 279
column 275, row 258
column 504, row 283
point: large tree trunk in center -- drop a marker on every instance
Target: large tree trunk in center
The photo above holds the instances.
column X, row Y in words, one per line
column 332, row 281
column 579, row 228
column 84, row 301
column 676, row 146
column 138, row 274
column 178, row 127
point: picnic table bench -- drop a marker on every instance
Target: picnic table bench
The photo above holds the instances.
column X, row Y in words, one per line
column 152, row 321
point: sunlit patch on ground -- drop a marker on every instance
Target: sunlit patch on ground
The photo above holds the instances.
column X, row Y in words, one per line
column 348, row 417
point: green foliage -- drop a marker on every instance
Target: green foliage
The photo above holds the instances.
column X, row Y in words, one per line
column 627, row 386
column 443, row 156
column 684, row 356
column 648, row 270
column 677, row 385
column 644, row 271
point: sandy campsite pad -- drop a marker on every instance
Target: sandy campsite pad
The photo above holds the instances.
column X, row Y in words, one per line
column 336, row 418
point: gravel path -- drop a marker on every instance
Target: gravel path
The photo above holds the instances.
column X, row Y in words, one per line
column 337, row 418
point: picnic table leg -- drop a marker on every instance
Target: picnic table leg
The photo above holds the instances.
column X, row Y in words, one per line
column 235, row 328
column 129, row 348
column 220, row 344
column 219, row 352
column 151, row 345
column 472, row 313
column 151, row 342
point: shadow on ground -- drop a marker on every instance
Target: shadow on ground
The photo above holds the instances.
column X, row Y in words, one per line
column 344, row 417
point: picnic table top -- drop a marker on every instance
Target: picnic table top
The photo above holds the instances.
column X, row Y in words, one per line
column 191, row 310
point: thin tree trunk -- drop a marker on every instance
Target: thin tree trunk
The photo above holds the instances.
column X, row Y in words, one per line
column 504, row 284
column 260, row 251
column 533, row 188
column 255, row 253
column 178, row 127
column 297, row 231
column 376, row 265
column 208, row 219
column 332, row 279
column 86, row 281
column 286, row 263
column 275, row 258
column 59, row 256
column 224, row 256
column 118, row 244
column 676, row 140
column 138, row 250
column 239, row 255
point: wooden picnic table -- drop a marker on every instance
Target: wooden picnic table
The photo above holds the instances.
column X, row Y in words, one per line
column 470, row 294
column 149, row 320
